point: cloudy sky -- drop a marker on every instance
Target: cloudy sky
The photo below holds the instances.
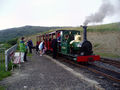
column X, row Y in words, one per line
column 16, row 13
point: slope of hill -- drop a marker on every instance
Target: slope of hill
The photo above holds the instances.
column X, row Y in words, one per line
column 22, row 31
column 98, row 28
column 105, row 27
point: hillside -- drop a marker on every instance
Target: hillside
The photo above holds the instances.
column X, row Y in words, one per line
column 11, row 33
column 105, row 27
column 98, row 28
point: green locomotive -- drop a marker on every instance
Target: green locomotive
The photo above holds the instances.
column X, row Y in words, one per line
column 70, row 44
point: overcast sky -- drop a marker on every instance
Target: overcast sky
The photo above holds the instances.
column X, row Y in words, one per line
column 16, row 13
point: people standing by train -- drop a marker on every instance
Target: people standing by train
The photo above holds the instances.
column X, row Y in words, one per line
column 22, row 48
column 26, row 50
column 37, row 47
column 30, row 45
column 44, row 49
column 54, row 46
column 41, row 47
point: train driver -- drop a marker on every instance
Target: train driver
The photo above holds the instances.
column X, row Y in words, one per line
column 77, row 38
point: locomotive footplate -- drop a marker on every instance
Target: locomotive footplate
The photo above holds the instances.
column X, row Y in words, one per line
column 88, row 58
column 91, row 59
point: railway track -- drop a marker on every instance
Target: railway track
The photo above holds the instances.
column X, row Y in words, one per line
column 111, row 62
column 110, row 74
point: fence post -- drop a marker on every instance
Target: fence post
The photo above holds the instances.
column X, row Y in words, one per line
column 6, row 61
column 1, row 58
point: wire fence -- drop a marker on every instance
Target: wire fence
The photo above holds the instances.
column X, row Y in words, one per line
column 2, row 59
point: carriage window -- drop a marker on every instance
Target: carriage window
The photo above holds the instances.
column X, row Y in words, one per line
column 66, row 37
column 54, row 36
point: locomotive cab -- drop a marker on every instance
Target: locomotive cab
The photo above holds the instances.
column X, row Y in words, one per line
column 80, row 47
column 66, row 37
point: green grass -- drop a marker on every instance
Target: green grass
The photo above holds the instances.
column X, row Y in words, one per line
column 2, row 88
column 110, row 55
column 4, row 74
column 96, row 45
column 6, row 46
column 97, row 28
column 29, row 55
column 105, row 27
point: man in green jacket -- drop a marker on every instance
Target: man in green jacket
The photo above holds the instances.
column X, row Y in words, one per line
column 22, row 48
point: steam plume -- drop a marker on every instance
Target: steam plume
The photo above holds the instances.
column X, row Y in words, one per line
column 118, row 10
column 106, row 9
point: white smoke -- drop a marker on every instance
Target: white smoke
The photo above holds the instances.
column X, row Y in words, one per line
column 118, row 7
column 106, row 9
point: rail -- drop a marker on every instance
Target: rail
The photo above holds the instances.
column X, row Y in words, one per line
column 9, row 54
column 112, row 75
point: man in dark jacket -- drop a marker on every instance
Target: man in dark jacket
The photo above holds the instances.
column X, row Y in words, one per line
column 30, row 45
column 54, row 47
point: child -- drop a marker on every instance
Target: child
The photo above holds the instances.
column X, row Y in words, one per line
column 41, row 47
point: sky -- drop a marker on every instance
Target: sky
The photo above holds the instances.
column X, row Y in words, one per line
column 16, row 13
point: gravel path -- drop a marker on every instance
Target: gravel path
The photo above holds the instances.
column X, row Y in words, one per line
column 40, row 73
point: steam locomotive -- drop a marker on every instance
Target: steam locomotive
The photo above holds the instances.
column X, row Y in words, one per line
column 70, row 44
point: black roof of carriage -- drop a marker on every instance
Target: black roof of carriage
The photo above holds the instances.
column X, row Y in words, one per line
column 61, row 30
column 55, row 32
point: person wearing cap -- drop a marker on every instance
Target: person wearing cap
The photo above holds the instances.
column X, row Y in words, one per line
column 75, row 44
column 77, row 38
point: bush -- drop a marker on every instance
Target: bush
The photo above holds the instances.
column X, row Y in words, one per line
column 2, row 88
column 12, row 41
column 4, row 74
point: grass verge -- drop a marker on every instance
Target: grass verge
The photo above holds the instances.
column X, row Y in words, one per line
column 29, row 55
column 4, row 74
column 2, row 88
column 109, row 55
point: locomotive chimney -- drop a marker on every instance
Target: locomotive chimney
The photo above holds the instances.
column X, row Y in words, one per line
column 84, row 33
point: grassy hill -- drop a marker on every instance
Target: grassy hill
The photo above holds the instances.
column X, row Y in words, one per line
column 105, row 27
column 98, row 28
column 11, row 33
